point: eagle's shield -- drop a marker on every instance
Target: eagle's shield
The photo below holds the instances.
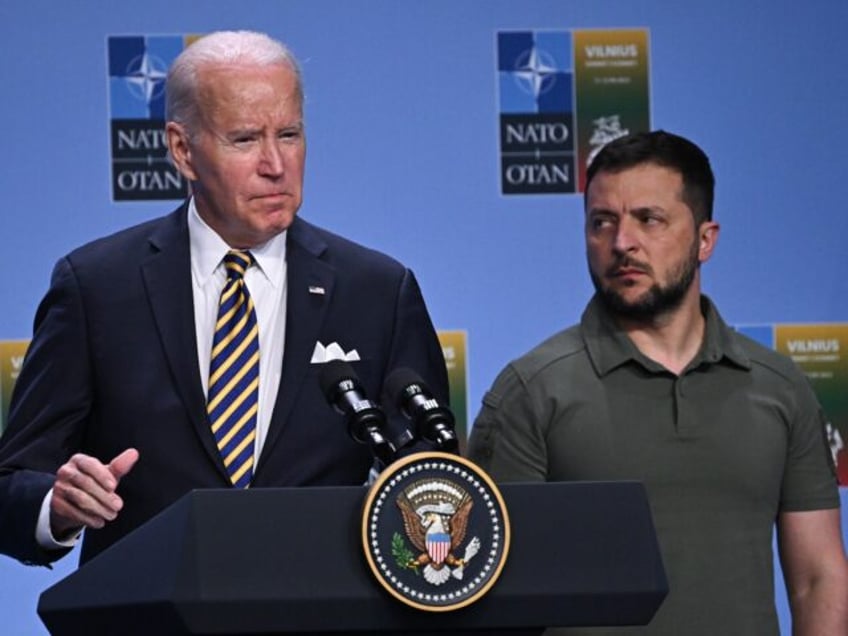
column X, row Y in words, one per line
column 438, row 546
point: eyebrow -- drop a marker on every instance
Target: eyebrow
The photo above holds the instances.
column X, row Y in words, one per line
column 640, row 210
column 252, row 130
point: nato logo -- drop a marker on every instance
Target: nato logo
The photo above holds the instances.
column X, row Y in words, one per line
column 138, row 66
column 536, row 91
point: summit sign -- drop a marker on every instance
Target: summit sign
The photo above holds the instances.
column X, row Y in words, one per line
column 563, row 94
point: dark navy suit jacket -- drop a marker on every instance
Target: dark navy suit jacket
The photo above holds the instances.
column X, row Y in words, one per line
column 113, row 364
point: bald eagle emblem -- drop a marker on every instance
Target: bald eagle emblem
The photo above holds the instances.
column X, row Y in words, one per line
column 435, row 519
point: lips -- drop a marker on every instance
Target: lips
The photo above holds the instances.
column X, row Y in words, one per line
column 628, row 271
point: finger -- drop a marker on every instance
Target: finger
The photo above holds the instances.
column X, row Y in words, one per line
column 72, row 507
column 93, row 469
column 84, row 492
column 84, row 477
column 123, row 463
column 66, row 518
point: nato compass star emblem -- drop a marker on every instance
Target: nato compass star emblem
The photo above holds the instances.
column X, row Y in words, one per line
column 535, row 72
column 435, row 531
column 145, row 77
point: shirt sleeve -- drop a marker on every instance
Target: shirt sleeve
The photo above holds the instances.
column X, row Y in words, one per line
column 507, row 440
column 809, row 479
column 43, row 534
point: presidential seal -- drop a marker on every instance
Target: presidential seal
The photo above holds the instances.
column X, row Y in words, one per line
column 435, row 531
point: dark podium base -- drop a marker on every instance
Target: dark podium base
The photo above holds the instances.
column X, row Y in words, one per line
column 581, row 554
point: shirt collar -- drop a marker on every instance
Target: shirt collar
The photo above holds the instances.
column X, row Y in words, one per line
column 208, row 250
column 609, row 347
column 720, row 341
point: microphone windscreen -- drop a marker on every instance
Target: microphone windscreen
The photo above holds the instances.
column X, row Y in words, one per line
column 334, row 372
column 396, row 384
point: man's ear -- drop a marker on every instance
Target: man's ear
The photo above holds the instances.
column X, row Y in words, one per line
column 179, row 148
column 707, row 240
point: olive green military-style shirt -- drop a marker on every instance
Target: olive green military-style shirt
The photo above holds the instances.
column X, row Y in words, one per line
column 737, row 438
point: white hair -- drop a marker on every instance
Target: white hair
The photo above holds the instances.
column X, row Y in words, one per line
column 220, row 47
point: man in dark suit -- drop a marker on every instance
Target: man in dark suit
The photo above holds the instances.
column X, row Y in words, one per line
column 108, row 423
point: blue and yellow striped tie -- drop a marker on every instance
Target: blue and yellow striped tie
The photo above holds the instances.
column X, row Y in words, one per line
column 233, row 396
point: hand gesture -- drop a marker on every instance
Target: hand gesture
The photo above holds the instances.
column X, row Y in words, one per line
column 84, row 492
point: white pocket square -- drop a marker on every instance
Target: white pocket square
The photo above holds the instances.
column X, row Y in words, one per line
column 332, row 351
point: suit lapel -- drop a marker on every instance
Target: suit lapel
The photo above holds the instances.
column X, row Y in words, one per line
column 310, row 286
column 167, row 277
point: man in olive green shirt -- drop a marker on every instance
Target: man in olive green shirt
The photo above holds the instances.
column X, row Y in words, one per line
column 652, row 385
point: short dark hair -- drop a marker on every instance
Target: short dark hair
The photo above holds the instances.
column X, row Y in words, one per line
column 669, row 151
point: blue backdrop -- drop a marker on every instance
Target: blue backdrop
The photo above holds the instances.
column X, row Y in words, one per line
column 402, row 125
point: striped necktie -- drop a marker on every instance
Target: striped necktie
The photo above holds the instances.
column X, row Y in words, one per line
column 233, row 396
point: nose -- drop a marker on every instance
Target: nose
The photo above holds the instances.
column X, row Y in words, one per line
column 271, row 163
column 625, row 238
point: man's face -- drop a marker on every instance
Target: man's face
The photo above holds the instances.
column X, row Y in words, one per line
column 642, row 244
column 246, row 157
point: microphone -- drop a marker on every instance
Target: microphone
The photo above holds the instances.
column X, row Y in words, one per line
column 433, row 421
column 365, row 419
